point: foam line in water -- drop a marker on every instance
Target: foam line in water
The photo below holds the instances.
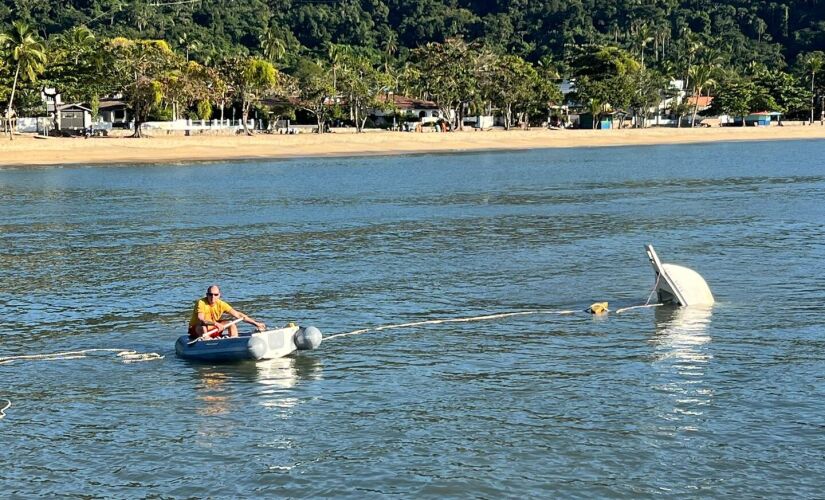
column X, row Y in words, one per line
column 3, row 410
column 449, row 320
column 127, row 355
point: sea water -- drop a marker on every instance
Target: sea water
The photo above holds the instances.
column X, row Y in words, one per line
column 727, row 401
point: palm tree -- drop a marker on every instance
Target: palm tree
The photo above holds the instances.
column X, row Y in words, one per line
column 337, row 55
column 702, row 78
column 27, row 54
column 643, row 37
column 188, row 45
column 813, row 62
column 390, row 48
column 761, row 27
column 690, row 47
column 273, row 46
column 79, row 39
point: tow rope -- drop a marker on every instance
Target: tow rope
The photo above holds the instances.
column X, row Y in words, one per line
column 126, row 355
column 596, row 308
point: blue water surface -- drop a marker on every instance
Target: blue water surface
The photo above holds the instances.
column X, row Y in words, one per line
column 690, row 402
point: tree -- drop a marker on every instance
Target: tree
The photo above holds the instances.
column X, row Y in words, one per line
column 28, row 57
column 813, row 62
column 79, row 41
column 790, row 95
column 273, row 46
column 250, row 79
column 650, row 87
column 510, row 83
column 314, row 90
column 138, row 70
column 679, row 108
column 364, row 86
column 761, row 27
column 185, row 86
column 702, row 78
column 607, row 76
column 79, row 67
column 739, row 97
column 449, row 75
column 643, row 37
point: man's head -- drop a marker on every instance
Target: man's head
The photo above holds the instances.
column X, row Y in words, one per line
column 213, row 293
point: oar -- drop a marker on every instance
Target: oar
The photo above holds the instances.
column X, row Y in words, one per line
column 210, row 332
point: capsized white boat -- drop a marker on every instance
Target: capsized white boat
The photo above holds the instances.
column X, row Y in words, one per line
column 678, row 285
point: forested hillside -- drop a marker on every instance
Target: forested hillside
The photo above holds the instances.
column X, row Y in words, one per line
column 771, row 32
column 198, row 58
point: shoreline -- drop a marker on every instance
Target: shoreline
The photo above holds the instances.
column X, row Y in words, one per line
column 26, row 151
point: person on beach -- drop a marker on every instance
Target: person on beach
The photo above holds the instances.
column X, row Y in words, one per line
column 207, row 313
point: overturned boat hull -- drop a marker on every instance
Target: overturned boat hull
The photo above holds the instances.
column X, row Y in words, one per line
column 678, row 285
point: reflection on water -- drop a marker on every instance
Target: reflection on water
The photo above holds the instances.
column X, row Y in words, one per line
column 680, row 333
column 681, row 356
column 212, row 391
column 278, row 376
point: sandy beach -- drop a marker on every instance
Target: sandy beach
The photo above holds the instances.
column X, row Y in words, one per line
column 28, row 151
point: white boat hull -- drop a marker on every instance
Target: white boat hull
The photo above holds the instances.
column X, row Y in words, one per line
column 678, row 285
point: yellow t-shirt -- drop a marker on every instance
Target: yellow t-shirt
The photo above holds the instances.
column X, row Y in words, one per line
column 211, row 312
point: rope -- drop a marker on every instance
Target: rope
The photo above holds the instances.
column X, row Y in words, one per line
column 126, row 355
column 3, row 410
column 480, row 318
column 655, row 287
column 623, row 309
column 447, row 320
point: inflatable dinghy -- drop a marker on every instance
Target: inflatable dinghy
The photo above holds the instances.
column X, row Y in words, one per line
column 270, row 344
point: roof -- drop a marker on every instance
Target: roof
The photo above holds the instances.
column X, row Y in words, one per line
column 404, row 102
column 66, row 107
column 112, row 103
column 704, row 101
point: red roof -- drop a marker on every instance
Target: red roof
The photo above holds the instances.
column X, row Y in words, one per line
column 704, row 101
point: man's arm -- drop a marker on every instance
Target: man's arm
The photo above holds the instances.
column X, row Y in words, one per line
column 208, row 322
column 246, row 319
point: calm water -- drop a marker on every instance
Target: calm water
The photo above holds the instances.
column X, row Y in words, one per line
column 670, row 402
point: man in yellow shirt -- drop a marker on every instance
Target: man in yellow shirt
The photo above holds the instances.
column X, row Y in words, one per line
column 206, row 317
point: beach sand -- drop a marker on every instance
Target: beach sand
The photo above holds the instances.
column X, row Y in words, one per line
column 28, row 151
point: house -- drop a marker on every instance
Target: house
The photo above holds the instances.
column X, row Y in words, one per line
column 114, row 111
column 73, row 117
column 704, row 102
column 605, row 121
column 411, row 108
column 755, row 119
column 762, row 118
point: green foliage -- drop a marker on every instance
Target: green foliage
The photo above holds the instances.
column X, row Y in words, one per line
column 445, row 50
column 137, row 69
column 313, row 90
column 204, row 110
column 209, row 30
column 23, row 53
column 449, row 74
column 743, row 97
